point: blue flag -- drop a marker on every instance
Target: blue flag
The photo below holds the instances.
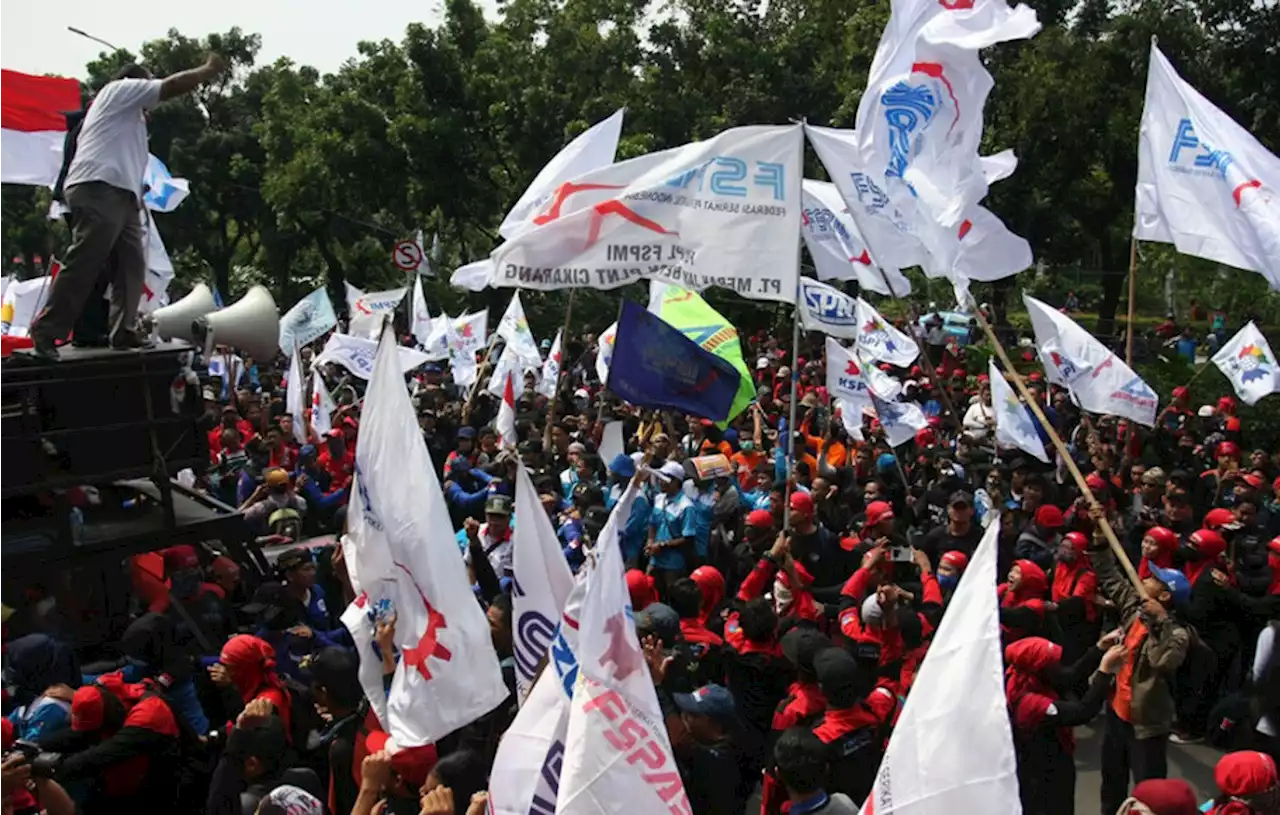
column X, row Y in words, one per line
column 655, row 365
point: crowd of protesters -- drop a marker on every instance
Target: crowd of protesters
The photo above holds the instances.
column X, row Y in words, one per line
column 782, row 652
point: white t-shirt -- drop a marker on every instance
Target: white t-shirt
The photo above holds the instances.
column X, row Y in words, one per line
column 112, row 147
column 975, row 420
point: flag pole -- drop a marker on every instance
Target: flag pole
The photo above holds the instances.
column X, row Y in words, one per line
column 1061, row 447
column 466, row 409
column 791, row 417
column 555, row 393
column 1133, row 278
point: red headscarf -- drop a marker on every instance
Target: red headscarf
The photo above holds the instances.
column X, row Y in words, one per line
column 642, row 588
column 1033, row 585
column 1025, row 687
column 1167, row 541
column 711, row 586
column 1068, row 577
column 1240, row 775
column 251, row 662
column 1209, row 546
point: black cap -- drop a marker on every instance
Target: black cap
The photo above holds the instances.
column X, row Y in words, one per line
column 267, row 596
column 837, row 673
column 960, row 497
column 661, row 620
column 293, row 558
column 801, row 645
column 1018, row 463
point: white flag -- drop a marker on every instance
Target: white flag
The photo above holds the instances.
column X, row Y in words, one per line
column 542, row 583
column 421, row 325
column 514, row 328
column 506, row 421
column 827, row 309
column 448, row 674
column 618, row 758
column 1014, row 427
column 879, row 340
column 900, row 420
column 969, row 765
column 509, row 365
column 366, row 310
column 851, row 377
column 462, row 362
column 1205, row 184
column 471, row 332
column 722, row 212
column 357, row 355
column 531, row 754
column 590, row 150
column 22, row 300
column 474, row 276
column 436, row 346
column 295, row 399
column 551, row 368
column 1109, row 386
column 851, row 414
column 423, row 269
column 1248, row 362
column 837, row 249
column 322, row 406
column 163, row 192
column 307, row 321
column 604, row 354
column 919, row 122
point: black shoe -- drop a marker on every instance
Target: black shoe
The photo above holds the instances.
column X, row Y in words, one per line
column 43, row 348
column 129, row 341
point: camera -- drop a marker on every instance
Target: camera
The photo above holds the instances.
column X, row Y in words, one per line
column 43, row 765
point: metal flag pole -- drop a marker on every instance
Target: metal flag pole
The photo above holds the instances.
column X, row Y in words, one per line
column 791, row 416
column 1133, row 279
column 1103, row 523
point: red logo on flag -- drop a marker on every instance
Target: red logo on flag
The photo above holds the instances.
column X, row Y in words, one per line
column 428, row 645
column 625, row 659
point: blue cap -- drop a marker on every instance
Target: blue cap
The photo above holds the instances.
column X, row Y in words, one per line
column 709, row 700
column 431, row 368
column 622, row 465
column 1175, row 581
column 730, row 436
column 466, row 432
column 546, row 344
column 886, row 462
column 307, row 450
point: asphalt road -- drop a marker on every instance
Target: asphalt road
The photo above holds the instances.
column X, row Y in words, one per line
column 1194, row 762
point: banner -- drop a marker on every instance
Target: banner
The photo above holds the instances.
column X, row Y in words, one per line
column 1205, row 184
column 851, row 379
column 295, row 399
column 879, row 340
column 472, row 332
column 723, row 212
column 366, row 310
column 421, row 324
column 705, row 326
column 604, row 354
column 356, row 354
column 307, row 321
column 162, row 192
column 838, row 251
column 826, row 309
column 655, row 365
column 462, row 363
column 514, row 328
column 551, row 368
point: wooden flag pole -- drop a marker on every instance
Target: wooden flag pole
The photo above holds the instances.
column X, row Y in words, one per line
column 1061, row 447
column 484, row 364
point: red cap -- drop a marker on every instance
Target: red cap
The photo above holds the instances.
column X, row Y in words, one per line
column 1208, row 543
column 915, row 371
column 1035, row 376
column 925, row 437
column 1164, row 537
column 955, row 558
column 759, row 518
column 642, row 588
column 181, row 557
column 1227, row 449
column 1218, row 518
column 878, row 511
column 957, row 374
column 802, row 502
column 1095, row 481
column 983, row 378
column 87, row 709
column 1226, row 404
column 1245, row 773
column 1180, row 392
column 939, row 371
column 1049, row 516
column 1254, row 480
column 1233, row 425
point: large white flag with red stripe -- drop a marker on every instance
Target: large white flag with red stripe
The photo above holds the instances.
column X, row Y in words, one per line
column 322, row 406
column 952, row 749
column 33, row 125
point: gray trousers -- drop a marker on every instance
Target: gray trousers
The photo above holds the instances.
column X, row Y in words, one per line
column 105, row 219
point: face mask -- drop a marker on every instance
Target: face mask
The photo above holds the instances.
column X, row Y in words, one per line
column 948, row 581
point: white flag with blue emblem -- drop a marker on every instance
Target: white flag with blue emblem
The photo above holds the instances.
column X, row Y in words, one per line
column 851, row 377
column 1205, row 184
column 618, row 757
column 1248, row 362
column 307, row 321
column 1014, row 427
column 827, row 309
column 1099, row 380
column 879, row 340
column 163, row 191
column 542, row 583
column 838, row 250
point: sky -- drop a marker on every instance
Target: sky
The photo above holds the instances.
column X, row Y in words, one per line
column 321, row 33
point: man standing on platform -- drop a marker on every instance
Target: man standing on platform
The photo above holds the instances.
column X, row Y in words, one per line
column 104, row 194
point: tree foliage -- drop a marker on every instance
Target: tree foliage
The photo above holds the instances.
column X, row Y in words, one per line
column 300, row 178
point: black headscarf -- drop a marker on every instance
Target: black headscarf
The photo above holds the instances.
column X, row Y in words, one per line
column 36, row 661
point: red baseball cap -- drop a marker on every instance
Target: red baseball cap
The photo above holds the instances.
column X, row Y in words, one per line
column 1049, row 516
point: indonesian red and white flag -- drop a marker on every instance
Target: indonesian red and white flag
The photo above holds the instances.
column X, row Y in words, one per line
column 618, row 758
column 448, row 675
column 322, row 406
column 506, row 421
column 33, row 125
column 952, row 748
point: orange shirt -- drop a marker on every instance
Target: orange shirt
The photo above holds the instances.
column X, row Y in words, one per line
column 1122, row 694
column 746, row 462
